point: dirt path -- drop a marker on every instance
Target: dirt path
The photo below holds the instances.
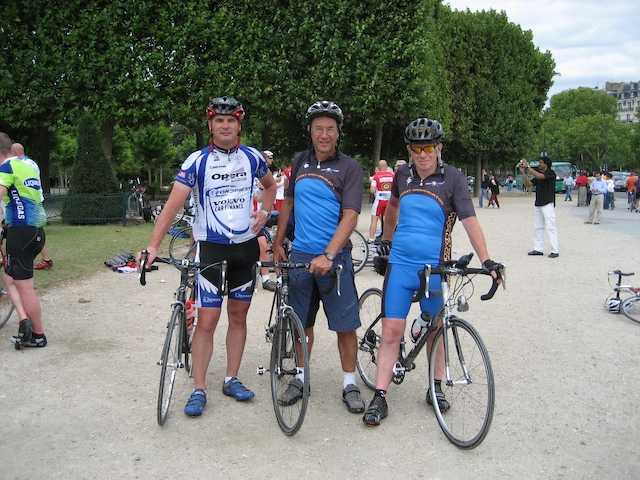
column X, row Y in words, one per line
column 566, row 381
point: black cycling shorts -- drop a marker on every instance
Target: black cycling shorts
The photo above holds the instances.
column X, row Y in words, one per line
column 23, row 246
column 241, row 263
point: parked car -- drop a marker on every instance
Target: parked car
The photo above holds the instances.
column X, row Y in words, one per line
column 620, row 181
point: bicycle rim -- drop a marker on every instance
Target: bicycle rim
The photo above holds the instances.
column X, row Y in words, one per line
column 359, row 251
column 284, row 359
column 369, row 335
column 631, row 308
column 6, row 307
column 169, row 362
column 469, row 417
column 182, row 244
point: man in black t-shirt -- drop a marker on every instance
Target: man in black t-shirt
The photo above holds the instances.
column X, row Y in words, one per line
column 544, row 219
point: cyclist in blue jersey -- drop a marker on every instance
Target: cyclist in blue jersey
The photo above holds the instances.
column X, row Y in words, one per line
column 220, row 177
column 325, row 193
column 21, row 191
column 427, row 197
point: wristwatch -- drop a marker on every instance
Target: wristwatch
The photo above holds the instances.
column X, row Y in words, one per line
column 330, row 257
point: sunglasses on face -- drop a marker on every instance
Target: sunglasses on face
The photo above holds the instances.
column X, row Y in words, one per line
column 424, row 148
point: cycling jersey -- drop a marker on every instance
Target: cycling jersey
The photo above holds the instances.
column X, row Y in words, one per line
column 321, row 190
column 23, row 202
column 223, row 185
column 428, row 210
column 383, row 182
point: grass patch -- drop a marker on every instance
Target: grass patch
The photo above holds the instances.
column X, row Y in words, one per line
column 78, row 251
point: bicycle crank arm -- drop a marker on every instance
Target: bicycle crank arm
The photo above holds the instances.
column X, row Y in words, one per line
column 261, row 370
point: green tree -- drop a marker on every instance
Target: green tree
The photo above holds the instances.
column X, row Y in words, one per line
column 499, row 83
column 63, row 154
column 92, row 180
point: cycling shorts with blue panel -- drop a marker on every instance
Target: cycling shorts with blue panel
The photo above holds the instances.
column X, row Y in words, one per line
column 241, row 262
column 400, row 283
column 306, row 291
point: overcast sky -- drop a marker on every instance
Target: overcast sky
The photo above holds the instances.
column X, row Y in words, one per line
column 592, row 41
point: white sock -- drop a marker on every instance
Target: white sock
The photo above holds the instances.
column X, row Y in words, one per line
column 300, row 374
column 349, row 379
column 226, row 379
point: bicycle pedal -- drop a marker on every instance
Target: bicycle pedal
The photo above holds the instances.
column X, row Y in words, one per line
column 261, row 370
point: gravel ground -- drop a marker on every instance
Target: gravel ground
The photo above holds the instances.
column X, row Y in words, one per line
column 566, row 380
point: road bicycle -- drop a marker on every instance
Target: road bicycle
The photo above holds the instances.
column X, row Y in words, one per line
column 289, row 353
column 176, row 350
column 360, row 251
column 626, row 299
column 468, row 382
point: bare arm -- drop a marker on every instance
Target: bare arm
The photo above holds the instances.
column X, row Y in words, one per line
column 345, row 228
column 476, row 237
column 268, row 196
column 391, row 218
column 177, row 197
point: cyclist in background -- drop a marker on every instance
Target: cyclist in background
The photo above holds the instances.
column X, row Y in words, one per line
column 426, row 198
column 220, row 176
column 21, row 191
column 381, row 187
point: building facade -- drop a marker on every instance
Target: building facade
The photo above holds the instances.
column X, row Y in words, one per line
column 628, row 96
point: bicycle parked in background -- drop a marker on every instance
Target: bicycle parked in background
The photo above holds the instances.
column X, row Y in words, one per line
column 468, row 381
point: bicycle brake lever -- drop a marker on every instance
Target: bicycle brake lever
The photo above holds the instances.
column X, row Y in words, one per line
column 142, row 276
column 338, row 277
column 503, row 275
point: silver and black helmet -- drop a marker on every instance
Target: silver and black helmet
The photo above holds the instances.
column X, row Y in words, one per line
column 423, row 130
column 225, row 106
column 325, row 108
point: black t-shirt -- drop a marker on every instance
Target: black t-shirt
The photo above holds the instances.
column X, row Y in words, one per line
column 545, row 188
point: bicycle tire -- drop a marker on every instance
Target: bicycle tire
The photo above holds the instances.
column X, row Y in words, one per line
column 369, row 335
column 457, row 426
column 631, row 308
column 359, row 251
column 282, row 369
column 182, row 244
column 186, row 333
column 169, row 362
column 6, row 307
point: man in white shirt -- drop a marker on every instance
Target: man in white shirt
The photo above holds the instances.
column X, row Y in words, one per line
column 598, row 190
column 569, row 183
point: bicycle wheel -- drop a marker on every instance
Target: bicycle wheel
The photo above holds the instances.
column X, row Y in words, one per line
column 170, row 362
column 6, row 307
column 369, row 335
column 631, row 308
column 359, row 250
column 471, row 392
column 284, row 360
column 188, row 329
column 181, row 244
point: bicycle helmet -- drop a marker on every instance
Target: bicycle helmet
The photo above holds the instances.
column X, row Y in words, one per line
column 225, row 106
column 325, row 108
column 423, row 130
column 613, row 305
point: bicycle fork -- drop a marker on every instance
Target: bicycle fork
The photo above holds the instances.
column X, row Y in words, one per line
column 466, row 379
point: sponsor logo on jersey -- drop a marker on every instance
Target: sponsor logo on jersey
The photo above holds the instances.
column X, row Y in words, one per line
column 236, row 176
column 330, row 170
column 32, row 183
column 228, row 204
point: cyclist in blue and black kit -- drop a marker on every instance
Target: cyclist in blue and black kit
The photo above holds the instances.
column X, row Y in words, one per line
column 325, row 193
column 221, row 178
column 427, row 197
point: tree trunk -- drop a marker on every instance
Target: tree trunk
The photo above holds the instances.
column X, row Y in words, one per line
column 160, row 182
column 107, row 138
column 199, row 140
column 478, row 182
column 40, row 143
column 377, row 143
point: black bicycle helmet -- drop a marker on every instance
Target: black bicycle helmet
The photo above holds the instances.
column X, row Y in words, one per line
column 423, row 130
column 325, row 108
column 225, row 106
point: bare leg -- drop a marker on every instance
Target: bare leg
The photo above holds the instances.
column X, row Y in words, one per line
column 392, row 331
column 12, row 291
column 372, row 227
column 202, row 344
column 348, row 348
column 236, row 335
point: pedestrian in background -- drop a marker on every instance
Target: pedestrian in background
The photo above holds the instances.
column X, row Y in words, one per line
column 568, row 182
column 581, row 184
column 598, row 190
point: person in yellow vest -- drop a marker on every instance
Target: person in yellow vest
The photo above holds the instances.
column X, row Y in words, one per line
column 21, row 191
